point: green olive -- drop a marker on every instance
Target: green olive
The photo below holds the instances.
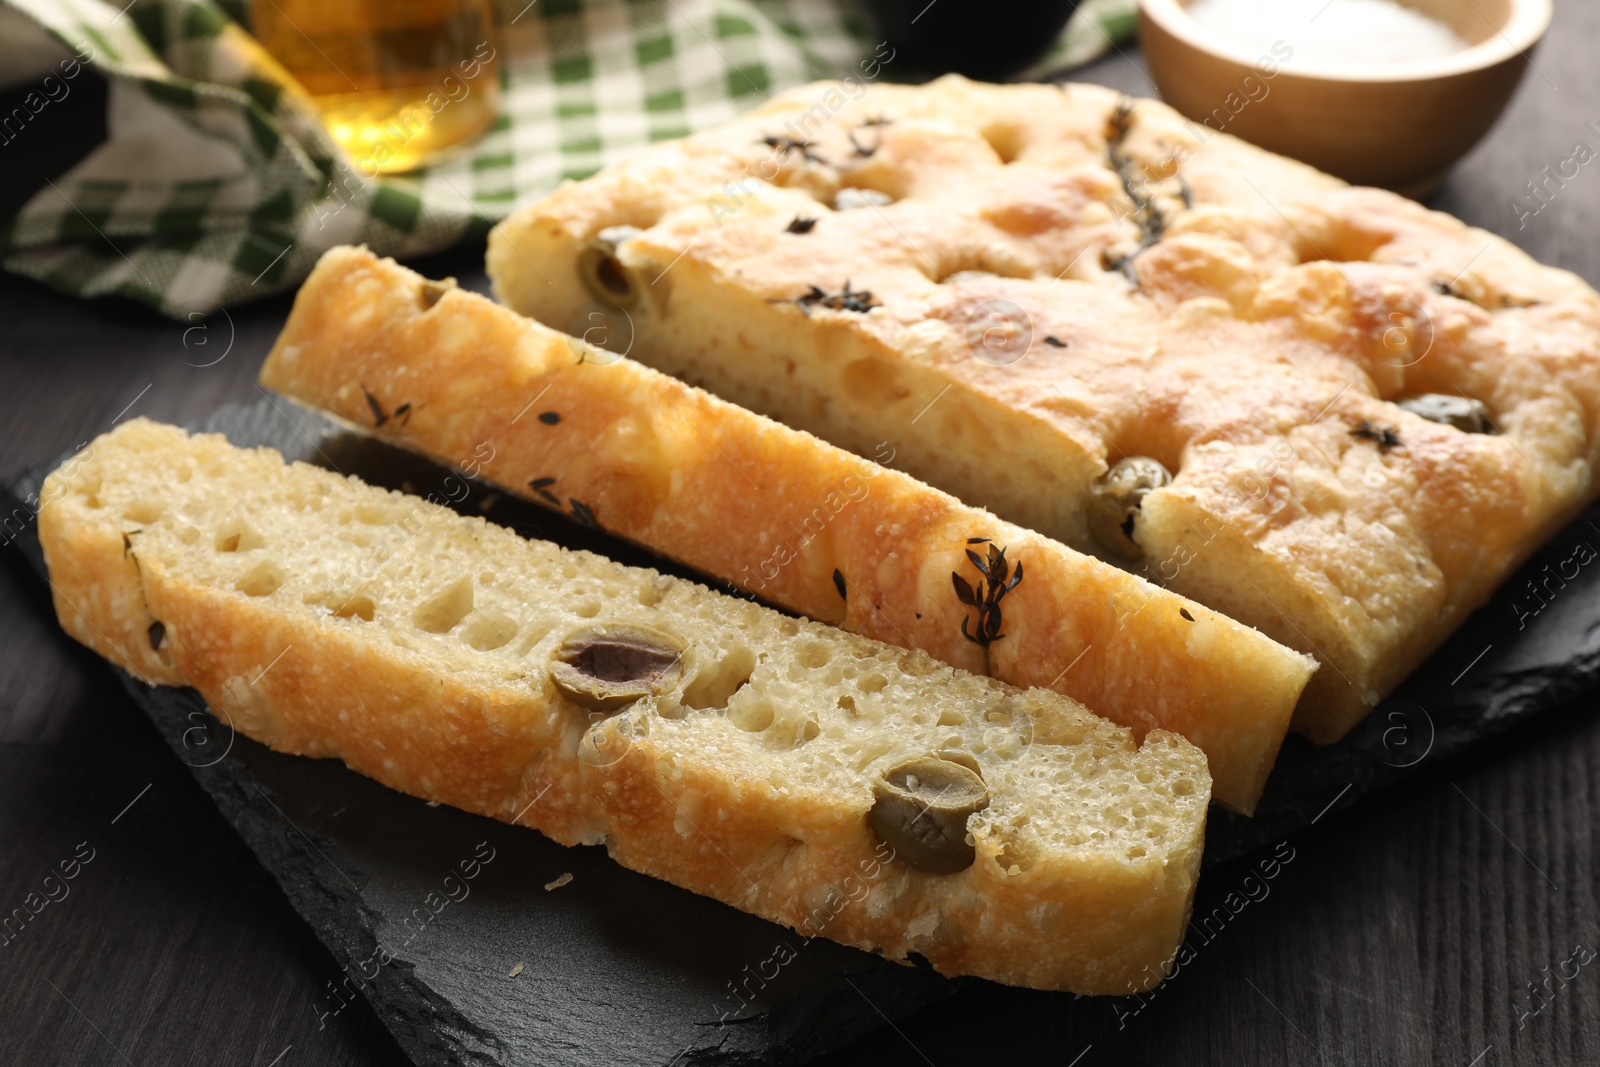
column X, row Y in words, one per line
column 1464, row 413
column 431, row 292
column 603, row 274
column 609, row 665
column 921, row 810
column 1115, row 499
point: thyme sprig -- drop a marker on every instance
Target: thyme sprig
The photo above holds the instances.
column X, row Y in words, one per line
column 875, row 123
column 542, row 487
column 580, row 511
column 1451, row 289
column 987, row 593
column 401, row 414
column 1147, row 213
column 860, row 301
column 785, row 145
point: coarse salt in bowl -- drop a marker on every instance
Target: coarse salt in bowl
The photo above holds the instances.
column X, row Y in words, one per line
column 1379, row 92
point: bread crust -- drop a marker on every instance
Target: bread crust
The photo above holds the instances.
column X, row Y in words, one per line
column 651, row 787
column 731, row 852
column 1186, row 296
column 773, row 511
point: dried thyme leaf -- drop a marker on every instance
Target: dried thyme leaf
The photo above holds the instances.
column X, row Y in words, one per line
column 785, row 145
column 1385, row 437
column 875, row 124
column 378, row 416
column 542, row 487
column 860, row 301
column 583, row 513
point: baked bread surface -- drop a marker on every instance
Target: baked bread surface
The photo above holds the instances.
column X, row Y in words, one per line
column 327, row 618
column 774, row 511
column 1060, row 278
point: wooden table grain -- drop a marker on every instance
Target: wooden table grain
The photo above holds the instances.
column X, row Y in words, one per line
column 1455, row 921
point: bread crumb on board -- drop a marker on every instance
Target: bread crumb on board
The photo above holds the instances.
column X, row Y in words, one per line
column 559, row 882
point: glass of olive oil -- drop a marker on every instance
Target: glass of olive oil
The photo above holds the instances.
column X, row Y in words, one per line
column 398, row 82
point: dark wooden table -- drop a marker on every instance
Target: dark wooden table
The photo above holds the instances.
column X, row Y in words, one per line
column 1445, row 923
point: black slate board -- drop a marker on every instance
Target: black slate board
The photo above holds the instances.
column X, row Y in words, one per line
column 617, row 968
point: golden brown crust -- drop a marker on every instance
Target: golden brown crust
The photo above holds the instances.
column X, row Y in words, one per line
column 773, row 510
column 1185, row 296
column 679, row 796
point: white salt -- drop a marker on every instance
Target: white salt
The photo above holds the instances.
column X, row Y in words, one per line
column 1330, row 34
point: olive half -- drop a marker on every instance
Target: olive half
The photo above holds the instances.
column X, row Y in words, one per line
column 609, row 665
column 603, row 274
column 1464, row 413
column 431, row 292
column 921, row 810
column 1115, row 499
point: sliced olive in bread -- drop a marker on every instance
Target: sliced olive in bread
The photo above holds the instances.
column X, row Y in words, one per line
column 610, row 665
column 921, row 811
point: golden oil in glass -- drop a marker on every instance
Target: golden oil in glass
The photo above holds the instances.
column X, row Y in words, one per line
column 398, row 82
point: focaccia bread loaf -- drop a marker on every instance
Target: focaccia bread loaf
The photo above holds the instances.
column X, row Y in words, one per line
column 1024, row 286
column 777, row 764
column 775, row 511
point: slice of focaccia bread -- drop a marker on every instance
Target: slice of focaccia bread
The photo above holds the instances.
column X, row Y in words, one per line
column 777, row 764
column 777, row 512
column 1324, row 411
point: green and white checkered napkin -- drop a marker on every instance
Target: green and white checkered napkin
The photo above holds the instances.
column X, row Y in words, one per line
column 218, row 184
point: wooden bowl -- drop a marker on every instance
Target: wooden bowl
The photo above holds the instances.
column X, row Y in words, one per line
column 1399, row 126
